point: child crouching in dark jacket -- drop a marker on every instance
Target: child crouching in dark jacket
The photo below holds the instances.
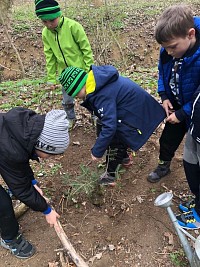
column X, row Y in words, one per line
column 128, row 114
column 25, row 136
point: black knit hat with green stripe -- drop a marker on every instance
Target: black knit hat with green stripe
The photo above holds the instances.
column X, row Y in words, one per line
column 73, row 79
column 47, row 9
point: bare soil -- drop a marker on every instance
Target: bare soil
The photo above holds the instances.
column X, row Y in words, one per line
column 122, row 227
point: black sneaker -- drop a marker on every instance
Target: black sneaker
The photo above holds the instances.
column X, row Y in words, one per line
column 19, row 247
column 187, row 206
column 127, row 162
column 107, row 179
column 162, row 170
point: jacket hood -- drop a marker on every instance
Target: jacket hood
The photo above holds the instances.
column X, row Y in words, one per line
column 23, row 127
column 104, row 75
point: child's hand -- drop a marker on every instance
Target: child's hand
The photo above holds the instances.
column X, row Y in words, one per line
column 167, row 107
column 172, row 119
column 52, row 218
column 54, row 86
column 50, row 86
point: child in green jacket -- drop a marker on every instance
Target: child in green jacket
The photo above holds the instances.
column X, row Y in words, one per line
column 65, row 44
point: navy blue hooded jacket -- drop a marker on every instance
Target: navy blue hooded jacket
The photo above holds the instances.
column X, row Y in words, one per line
column 19, row 131
column 189, row 76
column 126, row 110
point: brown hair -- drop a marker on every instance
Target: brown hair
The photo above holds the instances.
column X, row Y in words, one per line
column 174, row 22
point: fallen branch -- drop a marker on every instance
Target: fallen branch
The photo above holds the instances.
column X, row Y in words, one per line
column 20, row 210
column 68, row 246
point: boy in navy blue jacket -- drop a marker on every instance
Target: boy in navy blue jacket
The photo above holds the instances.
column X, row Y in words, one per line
column 190, row 218
column 128, row 113
column 179, row 67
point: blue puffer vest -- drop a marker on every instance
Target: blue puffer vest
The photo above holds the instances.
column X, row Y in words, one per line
column 189, row 77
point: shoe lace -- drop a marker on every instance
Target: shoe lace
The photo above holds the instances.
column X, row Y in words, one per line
column 190, row 204
column 189, row 217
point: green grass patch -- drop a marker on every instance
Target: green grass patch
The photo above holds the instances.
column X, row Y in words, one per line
column 178, row 258
column 29, row 93
column 25, row 12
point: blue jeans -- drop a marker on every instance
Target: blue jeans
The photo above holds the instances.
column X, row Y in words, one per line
column 68, row 105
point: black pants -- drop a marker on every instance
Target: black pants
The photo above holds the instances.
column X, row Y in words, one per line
column 192, row 172
column 115, row 153
column 9, row 226
column 170, row 139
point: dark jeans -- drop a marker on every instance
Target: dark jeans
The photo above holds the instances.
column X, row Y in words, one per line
column 170, row 139
column 192, row 172
column 115, row 153
column 9, row 226
column 191, row 163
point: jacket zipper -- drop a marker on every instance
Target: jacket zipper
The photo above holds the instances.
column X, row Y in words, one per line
column 60, row 48
column 130, row 126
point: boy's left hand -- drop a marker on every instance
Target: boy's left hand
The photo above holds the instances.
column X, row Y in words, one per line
column 172, row 119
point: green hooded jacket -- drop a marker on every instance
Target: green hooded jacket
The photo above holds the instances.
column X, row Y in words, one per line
column 66, row 46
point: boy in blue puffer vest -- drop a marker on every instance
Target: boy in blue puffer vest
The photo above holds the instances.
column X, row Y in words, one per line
column 128, row 114
column 179, row 77
column 190, row 218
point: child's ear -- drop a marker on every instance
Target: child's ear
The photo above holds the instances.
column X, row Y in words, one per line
column 191, row 33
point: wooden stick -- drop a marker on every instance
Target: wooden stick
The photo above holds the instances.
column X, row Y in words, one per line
column 20, row 210
column 68, row 246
